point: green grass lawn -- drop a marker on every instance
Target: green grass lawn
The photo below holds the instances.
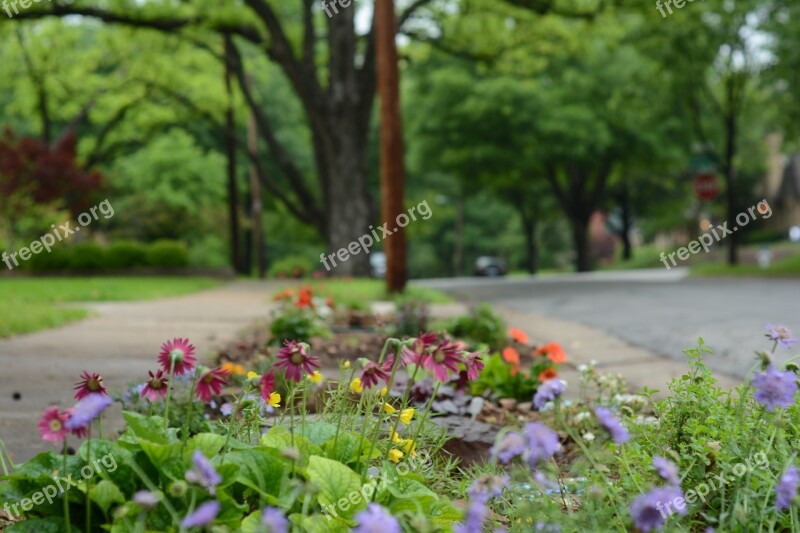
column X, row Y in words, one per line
column 788, row 267
column 31, row 304
column 359, row 291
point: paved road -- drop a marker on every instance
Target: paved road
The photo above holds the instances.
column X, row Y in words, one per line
column 661, row 311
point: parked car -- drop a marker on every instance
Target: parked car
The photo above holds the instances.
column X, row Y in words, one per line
column 490, row 266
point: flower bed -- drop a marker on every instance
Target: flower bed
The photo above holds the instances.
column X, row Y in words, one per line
column 285, row 447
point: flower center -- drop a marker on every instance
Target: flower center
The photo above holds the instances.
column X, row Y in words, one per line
column 156, row 383
column 439, row 356
column 93, row 385
column 55, row 426
column 297, row 358
column 176, row 355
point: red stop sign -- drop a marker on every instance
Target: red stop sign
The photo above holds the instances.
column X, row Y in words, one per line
column 706, row 186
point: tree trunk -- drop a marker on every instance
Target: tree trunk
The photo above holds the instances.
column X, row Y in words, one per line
column 730, row 176
column 230, row 146
column 580, row 239
column 625, row 234
column 531, row 250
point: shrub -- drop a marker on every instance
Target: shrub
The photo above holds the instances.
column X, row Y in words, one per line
column 296, row 324
column 481, row 326
column 294, row 266
column 167, row 254
column 86, row 256
column 126, row 254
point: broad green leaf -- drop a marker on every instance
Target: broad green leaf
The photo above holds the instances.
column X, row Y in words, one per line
column 106, row 493
column 38, row 525
column 149, row 427
column 319, row 523
column 319, row 432
column 346, row 447
column 335, row 482
column 208, row 443
column 261, row 469
column 160, row 453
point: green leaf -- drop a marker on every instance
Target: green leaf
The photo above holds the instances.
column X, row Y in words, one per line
column 161, row 453
column 208, row 443
column 335, row 482
column 346, row 447
column 319, row 432
column 106, row 493
column 149, row 427
column 261, row 469
column 319, row 523
column 38, row 525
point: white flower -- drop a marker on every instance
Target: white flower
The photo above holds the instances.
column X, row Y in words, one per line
column 580, row 417
column 588, row 436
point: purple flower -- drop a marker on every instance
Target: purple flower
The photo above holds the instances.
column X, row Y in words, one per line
column 786, row 489
column 476, row 514
column 273, row 519
column 145, row 498
column 543, row 443
column 203, row 473
column 374, row 518
column 774, row 388
column 611, row 423
column 490, row 486
column 226, row 409
column 650, row 511
column 548, row 391
column 781, row 335
column 87, row 410
column 204, row 515
column 511, row 445
column 667, row 470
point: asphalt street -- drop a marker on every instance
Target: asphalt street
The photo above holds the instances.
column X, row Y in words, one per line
column 664, row 312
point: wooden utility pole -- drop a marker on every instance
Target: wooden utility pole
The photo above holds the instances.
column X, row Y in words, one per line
column 391, row 135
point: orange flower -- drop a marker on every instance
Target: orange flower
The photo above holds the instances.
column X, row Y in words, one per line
column 233, row 368
column 517, row 335
column 284, row 295
column 510, row 355
column 553, row 351
column 304, row 298
column 548, row 374
column 329, row 301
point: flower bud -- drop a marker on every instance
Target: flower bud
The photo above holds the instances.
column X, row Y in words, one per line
column 178, row 489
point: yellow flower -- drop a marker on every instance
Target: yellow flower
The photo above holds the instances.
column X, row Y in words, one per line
column 355, row 386
column 406, row 415
column 346, row 364
column 251, row 375
column 274, row 400
column 410, row 447
column 396, row 438
column 388, row 408
column 384, row 392
column 316, row 377
column 395, row 455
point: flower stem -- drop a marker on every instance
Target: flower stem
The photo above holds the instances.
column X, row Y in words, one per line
column 187, row 421
column 66, row 501
column 170, row 385
column 341, row 412
column 380, row 416
column 89, row 481
column 426, row 412
column 403, row 404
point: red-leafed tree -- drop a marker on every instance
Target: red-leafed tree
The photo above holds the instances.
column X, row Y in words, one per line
column 33, row 172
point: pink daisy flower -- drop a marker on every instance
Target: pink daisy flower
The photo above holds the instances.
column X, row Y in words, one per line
column 180, row 351
column 51, row 425
column 419, row 349
column 267, row 384
column 374, row 373
column 89, row 384
column 474, row 365
column 443, row 358
column 295, row 359
column 211, row 383
column 155, row 386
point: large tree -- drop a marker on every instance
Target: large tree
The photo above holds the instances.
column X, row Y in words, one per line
column 330, row 66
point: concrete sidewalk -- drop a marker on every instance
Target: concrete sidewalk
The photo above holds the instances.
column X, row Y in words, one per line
column 120, row 342
column 583, row 344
